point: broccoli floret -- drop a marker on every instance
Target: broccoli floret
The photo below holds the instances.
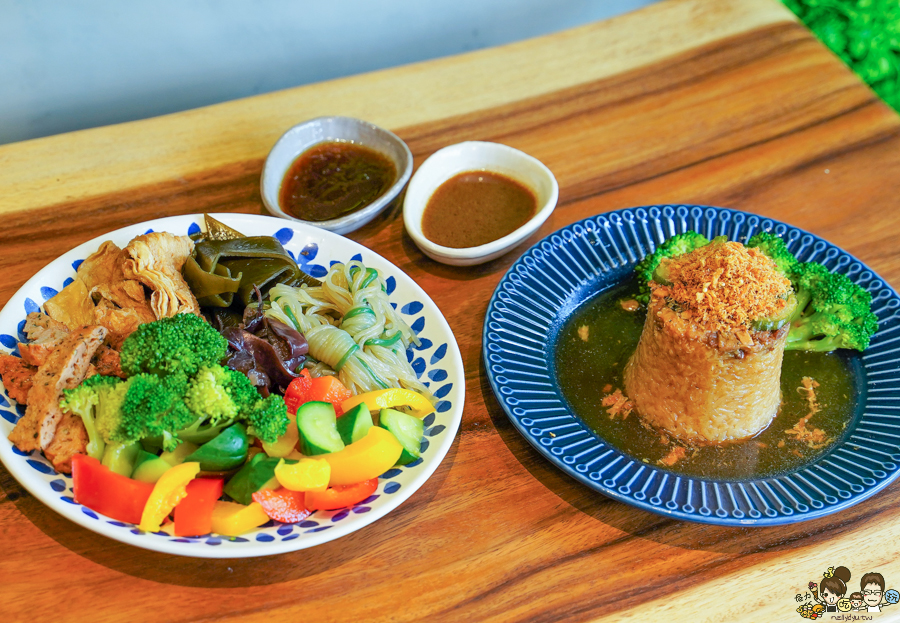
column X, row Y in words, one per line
column 832, row 311
column 181, row 344
column 218, row 397
column 268, row 418
column 208, row 395
column 775, row 247
column 91, row 401
column 152, row 408
column 678, row 244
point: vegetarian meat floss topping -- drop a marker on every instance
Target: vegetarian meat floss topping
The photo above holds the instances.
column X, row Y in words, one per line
column 724, row 287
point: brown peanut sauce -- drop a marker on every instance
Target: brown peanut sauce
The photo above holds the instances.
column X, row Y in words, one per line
column 476, row 207
column 585, row 366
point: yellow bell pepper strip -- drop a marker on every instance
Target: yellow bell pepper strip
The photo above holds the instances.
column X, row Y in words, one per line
column 286, row 443
column 168, row 491
column 232, row 519
column 389, row 399
column 367, row 458
column 305, row 475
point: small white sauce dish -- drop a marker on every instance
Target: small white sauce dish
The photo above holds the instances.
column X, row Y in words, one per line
column 477, row 156
column 335, row 129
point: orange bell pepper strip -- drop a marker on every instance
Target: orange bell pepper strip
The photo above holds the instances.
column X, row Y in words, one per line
column 193, row 515
column 391, row 399
column 168, row 491
column 103, row 490
column 334, row 498
column 232, row 519
column 362, row 460
column 282, row 504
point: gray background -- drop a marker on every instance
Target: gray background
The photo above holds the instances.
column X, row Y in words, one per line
column 70, row 65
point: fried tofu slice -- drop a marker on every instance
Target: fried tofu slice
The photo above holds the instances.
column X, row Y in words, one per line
column 156, row 259
column 72, row 306
column 121, row 322
column 70, row 438
column 17, row 377
column 105, row 265
column 65, row 368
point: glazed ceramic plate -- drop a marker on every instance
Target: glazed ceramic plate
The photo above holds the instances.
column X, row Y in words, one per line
column 552, row 279
column 436, row 361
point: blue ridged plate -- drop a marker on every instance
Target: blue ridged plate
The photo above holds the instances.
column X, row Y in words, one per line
column 436, row 360
column 554, row 277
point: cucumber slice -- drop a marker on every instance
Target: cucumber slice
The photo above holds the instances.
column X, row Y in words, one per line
column 353, row 425
column 151, row 470
column 408, row 429
column 121, row 458
column 773, row 323
column 661, row 273
column 318, row 429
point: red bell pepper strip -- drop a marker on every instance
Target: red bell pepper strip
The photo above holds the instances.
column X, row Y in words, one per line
column 282, row 504
column 321, row 389
column 193, row 515
column 295, row 395
column 107, row 492
column 340, row 496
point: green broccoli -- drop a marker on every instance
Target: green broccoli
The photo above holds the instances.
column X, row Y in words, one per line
column 678, row 244
column 176, row 391
column 268, row 418
column 774, row 247
column 180, row 344
column 117, row 412
column 218, row 397
column 92, row 401
column 153, row 407
column 832, row 311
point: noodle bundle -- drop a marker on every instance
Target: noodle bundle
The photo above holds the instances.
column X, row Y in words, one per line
column 352, row 329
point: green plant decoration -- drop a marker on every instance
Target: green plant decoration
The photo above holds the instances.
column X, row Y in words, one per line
column 865, row 34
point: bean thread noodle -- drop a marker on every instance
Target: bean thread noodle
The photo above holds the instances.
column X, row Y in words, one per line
column 352, row 329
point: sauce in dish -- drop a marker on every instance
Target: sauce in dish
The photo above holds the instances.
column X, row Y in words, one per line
column 475, row 208
column 331, row 180
column 594, row 346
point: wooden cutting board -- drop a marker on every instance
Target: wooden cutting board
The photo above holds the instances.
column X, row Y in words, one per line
column 732, row 104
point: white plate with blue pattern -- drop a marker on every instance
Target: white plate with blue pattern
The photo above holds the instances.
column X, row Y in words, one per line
column 437, row 362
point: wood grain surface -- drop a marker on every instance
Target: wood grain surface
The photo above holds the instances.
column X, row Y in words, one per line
column 731, row 104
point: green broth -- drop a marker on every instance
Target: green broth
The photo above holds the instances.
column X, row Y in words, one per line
column 583, row 368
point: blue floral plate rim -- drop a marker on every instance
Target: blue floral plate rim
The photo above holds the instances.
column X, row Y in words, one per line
column 597, row 251
column 437, row 361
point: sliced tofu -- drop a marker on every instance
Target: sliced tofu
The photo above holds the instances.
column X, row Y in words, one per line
column 65, row 368
column 71, row 438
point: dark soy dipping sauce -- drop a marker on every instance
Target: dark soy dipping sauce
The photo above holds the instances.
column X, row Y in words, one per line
column 475, row 208
column 330, row 180
column 584, row 368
